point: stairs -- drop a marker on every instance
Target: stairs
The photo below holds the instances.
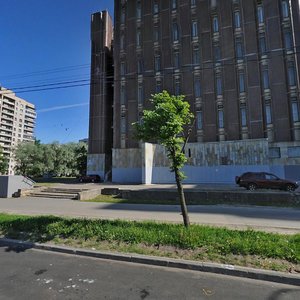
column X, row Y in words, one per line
column 58, row 193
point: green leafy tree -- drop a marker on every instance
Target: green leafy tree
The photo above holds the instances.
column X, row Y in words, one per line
column 165, row 124
column 29, row 159
column 3, row 163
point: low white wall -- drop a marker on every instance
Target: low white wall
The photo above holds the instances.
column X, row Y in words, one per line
column 96, row 165
column 220, row 174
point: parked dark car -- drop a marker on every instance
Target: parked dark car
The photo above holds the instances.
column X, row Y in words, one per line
column 90, row 178
column 254, row 180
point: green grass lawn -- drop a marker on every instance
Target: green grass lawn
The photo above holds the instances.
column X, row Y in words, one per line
column 116, row 199
column 201, row 243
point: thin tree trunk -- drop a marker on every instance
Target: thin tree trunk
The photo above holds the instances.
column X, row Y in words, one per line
column 185, row 216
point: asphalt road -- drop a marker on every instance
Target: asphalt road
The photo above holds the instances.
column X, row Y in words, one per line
column 284, row 220
column 35, row 274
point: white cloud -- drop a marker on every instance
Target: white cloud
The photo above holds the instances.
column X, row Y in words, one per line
column 61, row 107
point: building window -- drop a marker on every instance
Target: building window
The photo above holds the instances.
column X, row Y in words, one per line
column 291, row 75
column 295, row 110
column 215, row 24
column 237, row 19
column 243, row 117
column 175, row 32
column 196, row 55
column 123, row 125
column 241, row 82
column 140, row 94
column 262, row 45
column 177, row 88
column 155, row 7
column 156, row 34
column 288, row 40
column 219, row 86
column 197, row 88
column 174, row 4
column 268, row 114
column 157, row 63
column 199, row 120
column 123, row 68
column 122, row 41
column 266, row 82
column 176, row 60
column 239, row 49
column 293, row 151
column 123, row 95
column 193, row 2
column 123, row 16
column 138, row 38
column 285, row 9
column 158, row 88
column 260, row 14
column 217, row 54
column 140, row 66
column 194, row 29
column 138, row 10
column 274, row 152
column 221, row 118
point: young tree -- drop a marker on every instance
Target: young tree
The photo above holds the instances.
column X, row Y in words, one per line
column 165, row 124
column 3, row 162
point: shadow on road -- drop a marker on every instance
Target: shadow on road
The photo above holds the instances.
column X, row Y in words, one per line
column 14, row 248
column 278, row 213
column 285, row 294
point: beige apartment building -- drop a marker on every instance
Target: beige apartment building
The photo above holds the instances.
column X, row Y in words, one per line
column 17, row 123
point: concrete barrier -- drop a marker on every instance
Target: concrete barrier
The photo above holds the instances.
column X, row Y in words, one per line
column 218, row 197
column 10, row 186
column 88, row 194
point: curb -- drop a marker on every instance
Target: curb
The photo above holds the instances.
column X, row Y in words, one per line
column 231, row 270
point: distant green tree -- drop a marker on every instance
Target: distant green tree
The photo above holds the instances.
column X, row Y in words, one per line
column 3, row 163
column 81, row 150
column 29, row 159
column 36, row 159
column 165, row 124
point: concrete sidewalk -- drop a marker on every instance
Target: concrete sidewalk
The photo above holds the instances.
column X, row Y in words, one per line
column 283, row 220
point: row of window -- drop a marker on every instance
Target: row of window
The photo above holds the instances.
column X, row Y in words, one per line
column 243, row 116
column 291, row 76
column 285, row 11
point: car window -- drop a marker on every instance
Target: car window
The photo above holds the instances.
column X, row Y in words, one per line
column 261, row 176
column 270, row 177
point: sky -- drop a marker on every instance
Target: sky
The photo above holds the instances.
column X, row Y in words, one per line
column 46, row 44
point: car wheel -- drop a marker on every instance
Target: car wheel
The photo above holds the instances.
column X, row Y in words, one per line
column 252, row 186
column 290, row 188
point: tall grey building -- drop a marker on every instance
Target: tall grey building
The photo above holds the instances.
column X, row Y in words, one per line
column 237, row 62
column 17, row 123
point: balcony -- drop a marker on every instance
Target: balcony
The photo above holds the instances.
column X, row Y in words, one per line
column 5, row 134
column 6, row 117
column 5, row 139
column 10, row 107
column 7, row 128
column 28, row 137
column 30, row 113
column 29, row 129
column 9, row 112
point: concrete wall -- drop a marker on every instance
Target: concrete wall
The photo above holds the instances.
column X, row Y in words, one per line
column 9, row 185
column 206, row 162
column 127, row 166
column 96, row 164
